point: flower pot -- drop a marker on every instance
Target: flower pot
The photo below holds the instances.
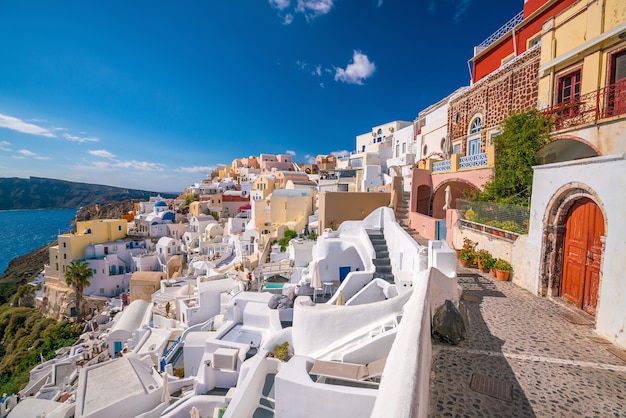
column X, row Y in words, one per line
column 465, row 263
column 480, row 265
column 503, row 275
column 492, row 272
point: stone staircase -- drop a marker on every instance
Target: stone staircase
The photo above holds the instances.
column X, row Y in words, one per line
column 402, row 216
column 382, row 261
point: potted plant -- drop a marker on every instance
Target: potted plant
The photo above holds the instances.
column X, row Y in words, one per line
column 503, row 269
column 481, row 257
column 488, row 265
column 467, row 255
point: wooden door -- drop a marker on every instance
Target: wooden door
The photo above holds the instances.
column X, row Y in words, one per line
column 582, row 254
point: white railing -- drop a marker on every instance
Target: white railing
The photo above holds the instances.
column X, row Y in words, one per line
column 499, row 33
column 471, row 161
column 440, row 166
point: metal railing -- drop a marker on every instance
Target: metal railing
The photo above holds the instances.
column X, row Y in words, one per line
column 471, row 161
column 498, row 216
column 589, row 108
column 499, row 33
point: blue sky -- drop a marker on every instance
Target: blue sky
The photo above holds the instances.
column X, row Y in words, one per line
column 153, row 94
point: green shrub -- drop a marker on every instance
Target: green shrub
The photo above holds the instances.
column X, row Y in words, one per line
column 501, row 264
column 281, row 351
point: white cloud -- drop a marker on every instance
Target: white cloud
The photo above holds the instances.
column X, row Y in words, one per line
column 280, row 4
column 30, row 154
column 19, row 125
column 290, row 152
column 140, row 165
column 80, row 139
column 314, row 8
column 5, row 146
column 360, row 69
column 196, row 169
column 115, row 164
column 101, row 153
column 461, row 8
column 309, row 8
column 341, row 153
column 310, row 159
column 57, row 128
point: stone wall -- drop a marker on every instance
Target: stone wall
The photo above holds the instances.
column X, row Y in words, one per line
column 513, row 88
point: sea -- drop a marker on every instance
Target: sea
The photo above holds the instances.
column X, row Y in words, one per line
column 26, row 230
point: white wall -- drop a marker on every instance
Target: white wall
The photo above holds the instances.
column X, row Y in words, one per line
column 606, row 176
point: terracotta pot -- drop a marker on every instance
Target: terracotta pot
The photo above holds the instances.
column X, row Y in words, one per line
column 458, row 254
column 465, row 263
column 492, row 272
column 503, row 275
column 480, row 265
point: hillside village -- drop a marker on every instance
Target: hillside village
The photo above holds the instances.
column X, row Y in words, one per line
column 273, row 286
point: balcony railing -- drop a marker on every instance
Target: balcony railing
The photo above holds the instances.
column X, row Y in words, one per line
column 440, row 166
column 471, row 161
column 589, row 108
column 499, row 33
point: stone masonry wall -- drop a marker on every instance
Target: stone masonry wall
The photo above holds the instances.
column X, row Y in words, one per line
column 514, row 88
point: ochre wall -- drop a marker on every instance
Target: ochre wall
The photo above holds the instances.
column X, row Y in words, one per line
column 336, row 207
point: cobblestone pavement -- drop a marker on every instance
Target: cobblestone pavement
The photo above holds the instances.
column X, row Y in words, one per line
column 551, row 367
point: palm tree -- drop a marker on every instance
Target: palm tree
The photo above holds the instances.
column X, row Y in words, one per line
column 77, row 276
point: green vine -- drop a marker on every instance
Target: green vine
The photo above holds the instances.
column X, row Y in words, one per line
column 522, row 135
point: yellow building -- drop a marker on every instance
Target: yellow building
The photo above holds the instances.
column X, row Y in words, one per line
column 583, row 80
column 72, row 246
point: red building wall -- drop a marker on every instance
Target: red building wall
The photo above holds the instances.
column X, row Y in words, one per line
column 489, row 61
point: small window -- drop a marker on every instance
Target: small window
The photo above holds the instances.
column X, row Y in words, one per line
column 64, row 256
column 119, row 227
column 64, row 244
column 458, row 117
column 456, row 148
column 476, row 125
column 380, row 131
column 534, row 41
column 404, row 148
column 102, row 290
column 95, row 272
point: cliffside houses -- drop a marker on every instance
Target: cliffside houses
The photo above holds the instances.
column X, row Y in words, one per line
column 342, row 325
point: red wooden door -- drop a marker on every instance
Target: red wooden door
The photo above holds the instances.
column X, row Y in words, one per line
column 583, row 251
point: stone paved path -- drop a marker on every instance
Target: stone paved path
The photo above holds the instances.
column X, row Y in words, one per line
column 555, row 368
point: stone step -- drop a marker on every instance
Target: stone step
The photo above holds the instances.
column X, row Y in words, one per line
column 383, row 261
column 382, row 254
column 378, row 241
column 386, row 276
column 383, row 269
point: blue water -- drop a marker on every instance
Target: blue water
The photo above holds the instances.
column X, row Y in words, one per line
column 26, row 230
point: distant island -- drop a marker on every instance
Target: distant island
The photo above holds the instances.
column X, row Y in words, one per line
column 43, row 193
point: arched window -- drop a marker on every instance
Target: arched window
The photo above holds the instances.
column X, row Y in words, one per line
column 476, row 125
column 473, row 139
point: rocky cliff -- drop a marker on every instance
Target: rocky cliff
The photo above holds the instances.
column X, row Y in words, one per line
column 26, row 268
column 42, row 193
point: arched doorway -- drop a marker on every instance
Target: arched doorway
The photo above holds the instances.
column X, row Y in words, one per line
column 565, row 149
column 582, row 253
column 458, row 188
column 573, row 245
